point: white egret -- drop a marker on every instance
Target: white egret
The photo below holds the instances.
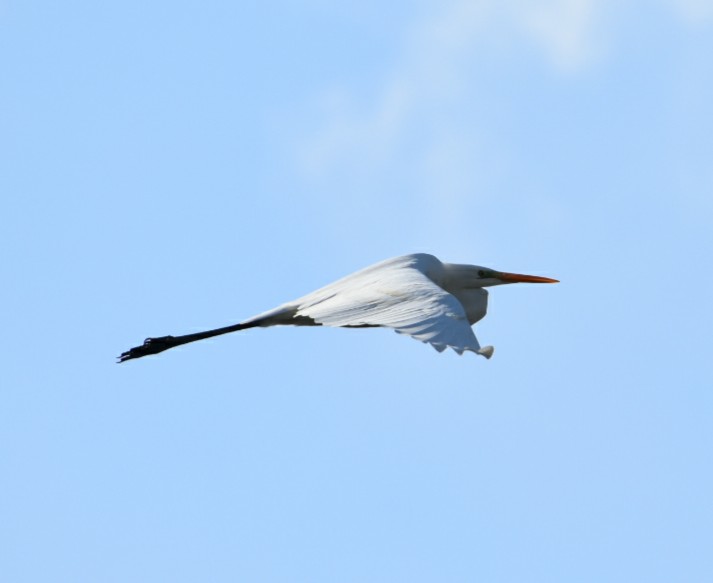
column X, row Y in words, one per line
column 416, row 294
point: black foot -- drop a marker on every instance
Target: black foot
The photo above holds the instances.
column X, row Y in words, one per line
column 150, row 346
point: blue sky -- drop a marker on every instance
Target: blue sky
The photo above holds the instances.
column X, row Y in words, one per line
column 172, row 167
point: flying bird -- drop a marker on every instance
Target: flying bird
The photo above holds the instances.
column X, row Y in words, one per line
column 416, row 295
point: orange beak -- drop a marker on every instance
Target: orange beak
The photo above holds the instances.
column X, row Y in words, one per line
column 519, row 278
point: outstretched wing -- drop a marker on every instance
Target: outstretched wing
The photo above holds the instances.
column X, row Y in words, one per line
column 396, row 294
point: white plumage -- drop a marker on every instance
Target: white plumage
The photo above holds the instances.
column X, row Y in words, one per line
column 405, row 293
column 416, row 294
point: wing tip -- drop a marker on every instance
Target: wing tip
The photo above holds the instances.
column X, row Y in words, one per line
column 437, row 345
column 486, row 351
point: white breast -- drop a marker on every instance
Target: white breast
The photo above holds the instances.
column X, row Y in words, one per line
column 475, row 302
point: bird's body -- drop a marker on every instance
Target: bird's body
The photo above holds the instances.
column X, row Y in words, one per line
column 415, row 294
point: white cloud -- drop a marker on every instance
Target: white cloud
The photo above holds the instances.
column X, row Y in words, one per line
column 566, row 29
column 435, row 64
column 367, row 136
column 428, row 112
column 696, row 12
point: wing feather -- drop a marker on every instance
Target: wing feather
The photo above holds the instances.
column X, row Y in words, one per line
column 395, row 294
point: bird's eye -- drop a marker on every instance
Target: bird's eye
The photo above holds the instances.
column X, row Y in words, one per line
column 481, row 273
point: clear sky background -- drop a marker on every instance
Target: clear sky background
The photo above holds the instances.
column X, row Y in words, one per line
column 167, row 167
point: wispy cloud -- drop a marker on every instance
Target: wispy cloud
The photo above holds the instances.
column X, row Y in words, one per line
column 566, row 29
column 430, row 112
column 435, row 65
column 696, row 12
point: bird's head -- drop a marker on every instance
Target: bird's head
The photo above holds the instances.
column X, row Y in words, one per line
column 486, row 277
